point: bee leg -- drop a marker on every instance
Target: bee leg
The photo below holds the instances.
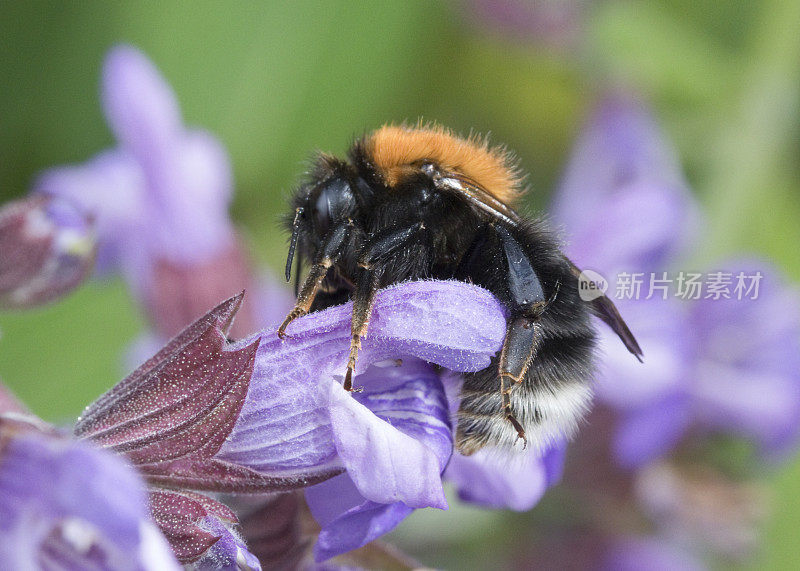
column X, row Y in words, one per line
column 377, row 249
column 523, row 337
column 330, row 251
column 363, row 298
column 526, row 301
column 384, row 244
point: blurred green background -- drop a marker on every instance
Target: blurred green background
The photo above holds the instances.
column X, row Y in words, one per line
column 276, row 81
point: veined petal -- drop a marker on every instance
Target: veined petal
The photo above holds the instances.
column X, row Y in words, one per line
column 402, row 459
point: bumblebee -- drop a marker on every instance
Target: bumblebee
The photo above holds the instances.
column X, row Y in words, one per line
column 419, row 202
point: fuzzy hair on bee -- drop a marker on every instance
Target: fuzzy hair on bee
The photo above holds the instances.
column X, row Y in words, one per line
column 418, row 202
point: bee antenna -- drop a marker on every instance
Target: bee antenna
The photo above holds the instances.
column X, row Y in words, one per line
column 298, row 213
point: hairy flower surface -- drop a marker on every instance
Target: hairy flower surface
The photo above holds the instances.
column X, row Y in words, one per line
column 47, row 248
column 229, row 553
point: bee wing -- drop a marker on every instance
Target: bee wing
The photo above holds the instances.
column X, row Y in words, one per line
column 478, row 196
column 605, row 309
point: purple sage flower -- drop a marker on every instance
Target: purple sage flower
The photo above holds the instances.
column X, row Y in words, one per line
column 393, row 440
column 265, row 415
column 160, row 200
column 721, row 363
column 47, row 248
column 68, row 505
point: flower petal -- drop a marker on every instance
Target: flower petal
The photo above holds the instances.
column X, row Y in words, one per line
column 505, row 479
column 187, row 173
column 348, row 520
column 392, row 461
column 666, row 337
column 140, row 106
column 51, row 511
column 650, row 432
column 638, row 229
column 748, row 377
column 188, row 201
column 623, row 167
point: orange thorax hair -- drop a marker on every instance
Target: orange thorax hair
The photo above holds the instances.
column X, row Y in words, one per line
column 395, row 149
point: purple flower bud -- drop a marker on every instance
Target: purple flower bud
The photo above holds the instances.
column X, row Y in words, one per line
column 199, row 530
column 67, row 505
column 229, row 553
column 46, row 250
